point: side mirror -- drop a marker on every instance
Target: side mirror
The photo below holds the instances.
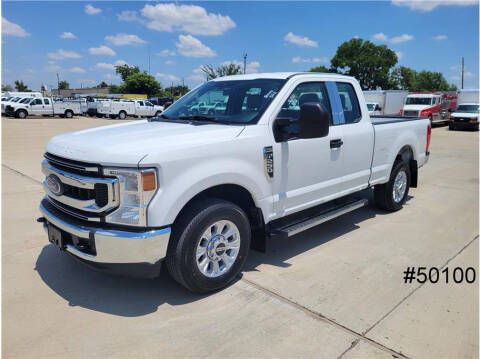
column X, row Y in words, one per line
column 314, row 120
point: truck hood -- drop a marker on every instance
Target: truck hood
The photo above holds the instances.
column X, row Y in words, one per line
column 126, row 144
column 415, row 107
column 464, row 115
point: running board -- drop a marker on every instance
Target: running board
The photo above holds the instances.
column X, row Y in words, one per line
column 307, row 223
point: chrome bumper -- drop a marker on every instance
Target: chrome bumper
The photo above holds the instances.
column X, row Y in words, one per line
column 115, row 246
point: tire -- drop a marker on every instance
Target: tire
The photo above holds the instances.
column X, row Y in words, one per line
column 21, row 114
column 384, row 193
column 99, row 116
column 188, row 237
column 122, row 115
column 68, row 114
column 450, row 127
column 61, row 116
column 112, row 116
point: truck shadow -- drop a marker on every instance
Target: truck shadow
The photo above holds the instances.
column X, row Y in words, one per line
column 122, row 296
column 133, row 297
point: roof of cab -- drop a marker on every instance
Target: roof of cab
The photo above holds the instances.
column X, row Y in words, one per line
column 275, row 75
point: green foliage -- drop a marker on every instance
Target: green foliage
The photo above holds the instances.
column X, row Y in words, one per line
column 7, row 88
column 406, row 78
column 102, row 85
column 63, row 85
column 20, row 86
column 175, row 91
column 141, row 83
column 125, row 71
column 321, row 68
column 115, row 89
column 220, row 71
column 370, row 64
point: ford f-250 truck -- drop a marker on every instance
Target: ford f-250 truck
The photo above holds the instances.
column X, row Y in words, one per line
column 197, row 191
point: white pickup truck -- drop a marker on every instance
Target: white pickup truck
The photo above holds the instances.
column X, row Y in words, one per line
column 124, row 108
column 290, row 151
column 44, row 106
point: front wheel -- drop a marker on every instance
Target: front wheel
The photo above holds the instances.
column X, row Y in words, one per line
column 209, row 245
column 68, row 114
column 21, row 114
column 392, row 195
column 122, row 115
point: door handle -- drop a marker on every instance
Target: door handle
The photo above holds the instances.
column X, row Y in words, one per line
column 337, row 143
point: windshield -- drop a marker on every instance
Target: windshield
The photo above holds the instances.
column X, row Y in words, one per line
column 25, row 100
column 467, row 108
column 230, row 102
column 419, row 101
column 15, row 99
column 370, row 106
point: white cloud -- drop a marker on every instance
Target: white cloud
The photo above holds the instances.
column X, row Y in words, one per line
column 77, row 70
column 91, row 10
column 165, row 53
column 428, row 5
column 109, row 66
column 455, row 78
column 167, row 77
column 52, row 68
column 299, row 40
column 252, row 67
column 111, row 77
column 192, row 19
column 298, row 59
column 63, row 54
column 169, row 62
column 128, row 16
column 192, row 47
column 11, row 29
column 381, row 37
column 101, row 50
column 440, row 37
column 399, row 54
column 124, row 39
column 87, row 82
column 68, row 35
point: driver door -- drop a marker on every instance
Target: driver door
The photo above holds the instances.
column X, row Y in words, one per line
column 307, row 171
column 37, row 107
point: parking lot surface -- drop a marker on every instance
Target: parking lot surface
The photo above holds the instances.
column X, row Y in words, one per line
column 334, row 291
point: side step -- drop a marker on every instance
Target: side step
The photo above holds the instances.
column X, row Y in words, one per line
column 301, row 225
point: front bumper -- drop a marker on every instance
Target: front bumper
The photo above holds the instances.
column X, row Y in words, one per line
column 463, row 125
column 115, row 247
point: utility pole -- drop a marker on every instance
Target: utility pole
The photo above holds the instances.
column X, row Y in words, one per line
column 463, row 69
column 244, row 63
column 149, row 59
column 58, row 84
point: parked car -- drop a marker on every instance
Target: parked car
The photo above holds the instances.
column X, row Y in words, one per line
column 374, row 108
column 124, row 108
column 389, row 102
column 44, row 106
column 199, row 191
column 466, row 115
column 162, row 101
column 424, row 105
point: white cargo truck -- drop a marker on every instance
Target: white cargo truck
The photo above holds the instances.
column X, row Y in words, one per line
column 124, row 108
column 44, row 106
column 385, row 102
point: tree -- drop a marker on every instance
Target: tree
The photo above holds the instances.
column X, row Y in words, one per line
column 125, row 71
column 7, row 88
column 432, row 81
column 63, row 85
column 20, row 86
column 370, row 64
column 141, row 83
column 403, row 78
column 321, row 68
column 102, row 85
column 115, row 89
column 179, row 90
column 220, row 71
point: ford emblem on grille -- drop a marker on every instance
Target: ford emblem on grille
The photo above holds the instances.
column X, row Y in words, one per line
column 55, row 185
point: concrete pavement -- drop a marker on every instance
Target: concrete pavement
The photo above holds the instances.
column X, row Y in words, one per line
column 333, row 291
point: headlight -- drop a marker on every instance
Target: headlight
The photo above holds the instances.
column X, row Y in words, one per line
column 137, row 188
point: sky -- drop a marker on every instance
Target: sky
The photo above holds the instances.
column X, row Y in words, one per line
column 83, row 41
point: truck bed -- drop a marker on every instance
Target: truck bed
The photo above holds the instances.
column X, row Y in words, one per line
column 384, row 119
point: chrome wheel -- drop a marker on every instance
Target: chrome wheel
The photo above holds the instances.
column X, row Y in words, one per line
column 399, row 186
column 218, row 248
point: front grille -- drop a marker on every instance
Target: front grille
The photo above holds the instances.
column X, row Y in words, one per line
column 410, row 113
column 76, row 167
column 101, row 194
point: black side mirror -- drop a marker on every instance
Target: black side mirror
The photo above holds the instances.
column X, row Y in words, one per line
column 314, row 120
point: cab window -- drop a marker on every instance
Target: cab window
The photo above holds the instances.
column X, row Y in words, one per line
column 140, row 103
column 349, row 100
column 46, row 101
column 306, row 92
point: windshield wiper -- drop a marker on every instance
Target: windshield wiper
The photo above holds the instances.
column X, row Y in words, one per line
column 199, row 118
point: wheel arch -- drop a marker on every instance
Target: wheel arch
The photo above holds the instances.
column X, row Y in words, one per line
column 406, row 154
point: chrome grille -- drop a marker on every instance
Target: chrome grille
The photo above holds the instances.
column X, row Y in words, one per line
column 410, row 113
column 84, row 192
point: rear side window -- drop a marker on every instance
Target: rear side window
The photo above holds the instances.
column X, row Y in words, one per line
column 349, row 100
column 46, row 102
column 303, row 93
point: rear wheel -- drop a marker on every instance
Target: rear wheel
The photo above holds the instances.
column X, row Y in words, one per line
column 209, row 245
column 68, row 114
column 392, row 195
column 122, row 115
